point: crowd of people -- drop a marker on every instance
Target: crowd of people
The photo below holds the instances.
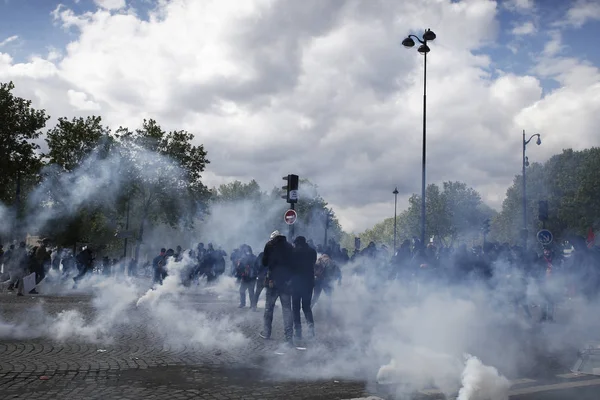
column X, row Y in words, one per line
column 298, row 272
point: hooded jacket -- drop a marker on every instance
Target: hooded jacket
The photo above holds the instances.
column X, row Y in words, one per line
column 277, row 257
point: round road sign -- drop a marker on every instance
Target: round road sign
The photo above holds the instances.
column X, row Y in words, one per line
column 544, row 237
column 290, row 217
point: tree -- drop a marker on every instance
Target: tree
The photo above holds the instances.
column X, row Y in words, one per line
column 164, row 173
column 19, row 160
column 570, row 184
column 70, row 142
column 238, row 191
column 453, row 213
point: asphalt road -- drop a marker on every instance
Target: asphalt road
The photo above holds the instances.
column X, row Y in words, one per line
column 139, row 362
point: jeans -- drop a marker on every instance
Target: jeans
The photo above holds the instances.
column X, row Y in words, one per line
column 286, row 307
column 260, row 285
column 247, row 286
column 302, row 298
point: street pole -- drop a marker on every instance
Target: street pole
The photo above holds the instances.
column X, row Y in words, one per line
column 525, row 164
column 291, row 233
column 423, row 49
column 395, row 216
column 524, row 195
column 423, row 170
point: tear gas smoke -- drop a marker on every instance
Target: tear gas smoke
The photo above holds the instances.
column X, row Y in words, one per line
column 114, row 306
column 179, row 323
column 412, row 334
column 481, row 382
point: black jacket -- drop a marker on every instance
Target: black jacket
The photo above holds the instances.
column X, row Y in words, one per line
column 304, row 267
column 277, row 257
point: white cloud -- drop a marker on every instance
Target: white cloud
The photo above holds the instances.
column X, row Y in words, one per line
column 520, row 5
column 322, row 89
column 80, row 101
column 526, row 28
column 554, row 45
column 111, row 4
column 8, row 40
column 582, row 11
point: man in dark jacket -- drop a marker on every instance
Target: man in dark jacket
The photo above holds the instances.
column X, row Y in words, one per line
column 277, row 257
column 302, row 284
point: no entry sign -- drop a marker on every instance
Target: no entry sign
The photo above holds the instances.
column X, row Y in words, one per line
column 290, row 217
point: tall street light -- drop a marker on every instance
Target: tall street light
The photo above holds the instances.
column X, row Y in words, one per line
column 525, row 165
column 423, row 49
column 395, row 192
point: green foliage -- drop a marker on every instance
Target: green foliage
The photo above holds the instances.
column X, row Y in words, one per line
column 311, row 207
column 236, row 191
column 20, row 124
column 569, row 182
column 70, row 142
column 453, row 213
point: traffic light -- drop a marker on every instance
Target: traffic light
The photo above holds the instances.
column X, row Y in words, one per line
column 291, row 189
column 543, row 210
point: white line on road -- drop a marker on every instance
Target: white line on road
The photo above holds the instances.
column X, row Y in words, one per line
column 569, row 375
column 557, row 386
column 521, row 381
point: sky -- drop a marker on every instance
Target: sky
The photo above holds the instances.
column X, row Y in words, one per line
column 323, row 89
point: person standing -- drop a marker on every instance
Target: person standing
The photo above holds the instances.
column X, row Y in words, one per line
column 245, row 271
column 277, row 257
column 303, row 283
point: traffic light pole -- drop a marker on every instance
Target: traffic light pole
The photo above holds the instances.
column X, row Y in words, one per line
column 291, row 234
column 291, row 197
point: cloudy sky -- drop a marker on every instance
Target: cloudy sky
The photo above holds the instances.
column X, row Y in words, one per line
column 321, row 88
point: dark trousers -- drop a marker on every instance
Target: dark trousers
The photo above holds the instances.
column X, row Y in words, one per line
column 321, row 286
column 260, row 285
column 159, row 276
column 83, row 272
column 247, row 286
column 302, row 298
column 286, row 307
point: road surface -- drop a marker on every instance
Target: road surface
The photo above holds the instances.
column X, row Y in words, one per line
column 140, row 364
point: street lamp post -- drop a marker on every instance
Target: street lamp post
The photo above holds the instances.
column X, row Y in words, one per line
column 395, row 192
column 525, row 165
column 423, row 49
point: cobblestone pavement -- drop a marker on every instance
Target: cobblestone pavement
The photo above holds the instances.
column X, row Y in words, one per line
column 139, row 363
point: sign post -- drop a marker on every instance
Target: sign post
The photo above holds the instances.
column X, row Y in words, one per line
column 290, row 218
column 545, row 237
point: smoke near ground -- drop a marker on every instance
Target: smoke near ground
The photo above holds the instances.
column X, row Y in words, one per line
column 466, row 339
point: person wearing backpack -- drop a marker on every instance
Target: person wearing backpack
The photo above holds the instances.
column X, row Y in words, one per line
column 326, row 272
column 246, row 273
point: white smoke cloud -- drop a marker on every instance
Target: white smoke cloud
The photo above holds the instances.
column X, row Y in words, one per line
column 482, row 382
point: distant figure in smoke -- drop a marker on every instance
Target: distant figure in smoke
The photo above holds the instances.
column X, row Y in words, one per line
column 246, row 272
column 43, row 260
column 157, row 267
column 549, row 266
column 303, row 283
column 17, row 268
column 178, row 253
column 85, row 259
column 326, row 271
column 277, row 258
